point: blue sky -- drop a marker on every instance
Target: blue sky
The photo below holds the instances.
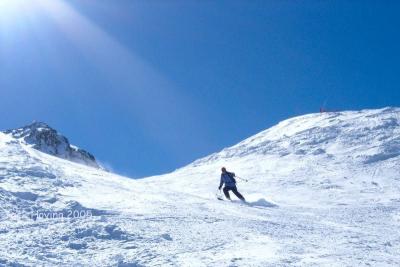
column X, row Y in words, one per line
column 149, row 86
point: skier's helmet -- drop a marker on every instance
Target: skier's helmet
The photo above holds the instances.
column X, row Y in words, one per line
column 223, row 169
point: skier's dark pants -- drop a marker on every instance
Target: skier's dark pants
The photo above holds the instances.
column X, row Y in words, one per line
column 234, row 190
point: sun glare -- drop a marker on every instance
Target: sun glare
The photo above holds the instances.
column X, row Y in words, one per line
column 7, row 6
column 131, row 78
column 18, row 9
column 15, row 11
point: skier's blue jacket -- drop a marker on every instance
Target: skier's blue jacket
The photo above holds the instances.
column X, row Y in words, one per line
column 228, row 180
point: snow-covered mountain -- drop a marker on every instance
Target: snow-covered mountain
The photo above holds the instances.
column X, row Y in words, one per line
column 323, row 190
column 44, row 138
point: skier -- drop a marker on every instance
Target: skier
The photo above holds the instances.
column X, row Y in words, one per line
column 228, row 179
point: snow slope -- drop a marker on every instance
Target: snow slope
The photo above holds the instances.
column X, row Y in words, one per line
column 323, row 190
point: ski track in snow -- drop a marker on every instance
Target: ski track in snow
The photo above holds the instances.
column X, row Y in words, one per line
column 324, row 191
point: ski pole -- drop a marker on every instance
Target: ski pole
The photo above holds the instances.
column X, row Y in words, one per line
column 243, row 179
column 219, row 194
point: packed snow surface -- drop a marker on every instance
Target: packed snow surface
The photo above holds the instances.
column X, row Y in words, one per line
column 322, row 190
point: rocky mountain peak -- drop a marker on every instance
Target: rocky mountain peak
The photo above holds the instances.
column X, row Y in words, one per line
column 46, row 139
